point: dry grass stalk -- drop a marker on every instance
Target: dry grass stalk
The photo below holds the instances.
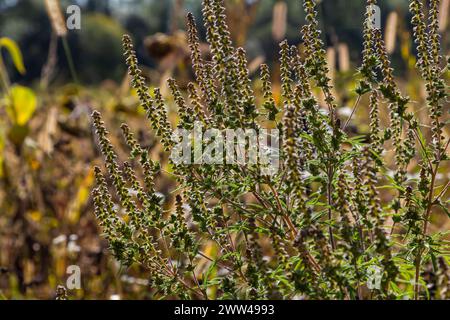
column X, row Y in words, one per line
column 279, row 24
column 344, row 57
column 443, row 15
column 56, row 17
column 391, row 32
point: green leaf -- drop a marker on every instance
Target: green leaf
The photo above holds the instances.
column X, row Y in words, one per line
column 434, row 261
column 444, row 207
column 424, row 153
column 17, row 134
column 15, row 53
column 21, row 105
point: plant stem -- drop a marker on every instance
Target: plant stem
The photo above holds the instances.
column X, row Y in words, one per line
column 353, row 112
column 4, row 75
column 424, row 231
column 442, row 192
column 330, row 203
column 70, row 59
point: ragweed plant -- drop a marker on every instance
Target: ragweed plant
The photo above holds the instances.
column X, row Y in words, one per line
column 320, row 227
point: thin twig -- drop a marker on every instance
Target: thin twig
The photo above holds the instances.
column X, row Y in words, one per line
column 353, row 112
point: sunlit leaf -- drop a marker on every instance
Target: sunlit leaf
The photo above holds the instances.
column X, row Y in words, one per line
column 15, row 53
column 21, row 105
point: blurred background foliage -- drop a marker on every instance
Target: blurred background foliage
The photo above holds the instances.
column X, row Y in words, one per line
column 47, row 149
column 97, row 47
